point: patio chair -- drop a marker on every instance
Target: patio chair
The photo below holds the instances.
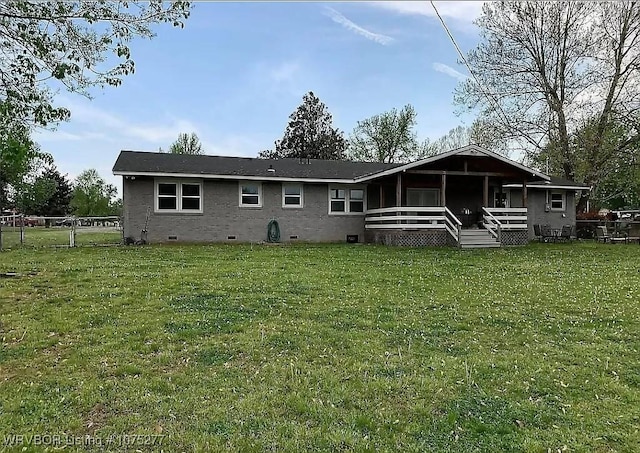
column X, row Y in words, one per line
column 602, row 235
column 565, row 234
column 536, row 232
column 546, row 234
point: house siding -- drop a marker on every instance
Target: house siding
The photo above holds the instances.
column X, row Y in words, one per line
column 222, row 217
column 555, row 219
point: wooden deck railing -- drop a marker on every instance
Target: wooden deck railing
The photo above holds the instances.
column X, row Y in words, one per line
column 497, row 220
column 414, row 218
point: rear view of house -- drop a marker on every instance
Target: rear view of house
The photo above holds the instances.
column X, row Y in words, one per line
column 469, row 196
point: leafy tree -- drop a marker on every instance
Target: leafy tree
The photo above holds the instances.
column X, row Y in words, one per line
column 542, row 68
column 47, row 194
column 388, row 137
column 617, row 173
column 310, row 134
column 186, row 144
column 19, row 155
column 71, row 44
column 92, row 196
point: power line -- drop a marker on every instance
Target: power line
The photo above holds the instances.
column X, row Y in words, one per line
column 466, row 63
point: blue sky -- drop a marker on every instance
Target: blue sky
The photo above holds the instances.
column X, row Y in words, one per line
column 237, row 71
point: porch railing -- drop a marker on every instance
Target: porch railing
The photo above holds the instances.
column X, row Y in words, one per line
column 496, row 220
column 414, row 218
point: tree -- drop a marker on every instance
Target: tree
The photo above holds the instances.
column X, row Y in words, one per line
column 543, row 68
column 48, row 193
column 19, row 155
column 92, row 196
column 186, row 144
column 70, row 45
column 310, row 134
column 478, row 133
column 388, row 137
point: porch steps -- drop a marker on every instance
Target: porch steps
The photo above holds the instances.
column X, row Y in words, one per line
column 477, row 238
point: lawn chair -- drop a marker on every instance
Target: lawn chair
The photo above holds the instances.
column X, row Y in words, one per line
column 602, row 235
column 536, row 232
column 565, row 234
column 546, row 234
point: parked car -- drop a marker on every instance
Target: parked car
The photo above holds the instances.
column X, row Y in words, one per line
column 64, row 222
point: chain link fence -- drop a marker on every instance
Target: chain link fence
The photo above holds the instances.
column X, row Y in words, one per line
column 24, row 231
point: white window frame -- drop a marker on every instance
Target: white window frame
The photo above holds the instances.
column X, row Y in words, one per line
column 563, row 196
column 347, row 200
column 178, row 183
column 301, row 196
column 249, row 183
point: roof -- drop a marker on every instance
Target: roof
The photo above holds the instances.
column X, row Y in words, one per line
column 470, row 150
column 138, row 163
column 554, row 182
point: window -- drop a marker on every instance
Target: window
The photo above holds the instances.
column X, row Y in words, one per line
column 179, row 196
column 338, row 197
column 292, row 195
column 346, row 200
column 251, row 194
column 356, row 200
column 557, row 201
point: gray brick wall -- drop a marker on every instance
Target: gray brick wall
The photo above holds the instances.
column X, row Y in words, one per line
column 222, row 217
column 537, row 214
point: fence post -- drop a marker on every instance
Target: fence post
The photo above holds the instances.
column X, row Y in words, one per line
column 72, row 233
column 22, row 230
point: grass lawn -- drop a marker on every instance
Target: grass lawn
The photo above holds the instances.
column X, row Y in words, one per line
column 59, row 236
column 325, row 347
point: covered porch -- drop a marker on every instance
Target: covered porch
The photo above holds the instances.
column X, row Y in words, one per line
column 457, row 198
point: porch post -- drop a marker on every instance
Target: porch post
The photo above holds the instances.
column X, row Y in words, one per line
column 399, row 190
column 485, row 192
column 524, row 194
column 443, row 190
column 381, row 204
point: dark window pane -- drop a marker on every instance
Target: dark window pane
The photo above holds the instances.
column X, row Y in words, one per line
column 167, row 203
column 337, row 206
column 357, row 194
column 249, row 199
column 292, row 201
column 250, row 190
column 167, row 189
column 337, row 194
column 191, row 203
column 292, row 190
column 356, row 206
column 190, row 190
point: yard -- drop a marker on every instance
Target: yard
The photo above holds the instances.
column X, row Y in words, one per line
column 324, row 347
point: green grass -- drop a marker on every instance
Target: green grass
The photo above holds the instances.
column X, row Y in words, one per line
column 58, row 236
column 325, row 347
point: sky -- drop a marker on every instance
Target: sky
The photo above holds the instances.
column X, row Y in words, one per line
column 236, row 71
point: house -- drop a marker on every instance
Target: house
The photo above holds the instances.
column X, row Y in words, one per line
column 465, row 197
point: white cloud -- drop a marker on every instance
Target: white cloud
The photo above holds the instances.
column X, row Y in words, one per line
column 448, row 70
column 464, row 12
column 349, row 25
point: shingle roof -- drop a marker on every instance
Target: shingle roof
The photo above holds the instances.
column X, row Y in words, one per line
column 138, row 162
column 554, row 182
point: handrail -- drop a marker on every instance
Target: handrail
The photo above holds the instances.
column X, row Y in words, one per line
column 452, row 215
column 493, row 225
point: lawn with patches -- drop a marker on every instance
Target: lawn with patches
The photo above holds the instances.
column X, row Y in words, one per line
column 58, row 236
column 325, row 347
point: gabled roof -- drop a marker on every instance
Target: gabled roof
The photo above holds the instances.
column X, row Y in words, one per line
column 470, row 150
column 138, row 163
